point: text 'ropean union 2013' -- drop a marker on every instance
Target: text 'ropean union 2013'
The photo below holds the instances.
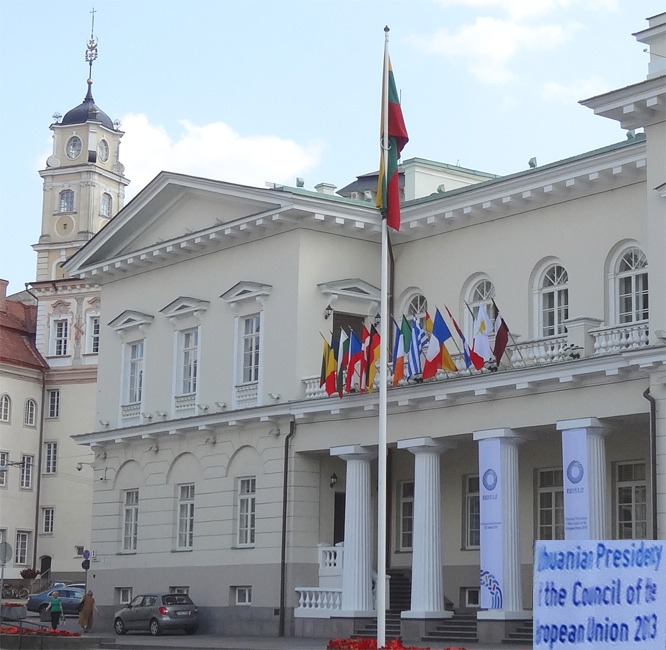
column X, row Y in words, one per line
column 605, row 556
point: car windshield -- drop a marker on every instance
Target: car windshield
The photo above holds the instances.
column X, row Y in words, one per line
column 177, row 599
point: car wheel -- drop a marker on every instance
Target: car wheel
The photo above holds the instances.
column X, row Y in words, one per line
column 119, row 626
column 190, row 630
column 155, row 628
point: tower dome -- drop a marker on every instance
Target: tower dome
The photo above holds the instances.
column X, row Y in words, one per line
column 87, row 111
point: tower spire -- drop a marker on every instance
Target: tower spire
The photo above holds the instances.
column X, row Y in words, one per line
column 91, row 53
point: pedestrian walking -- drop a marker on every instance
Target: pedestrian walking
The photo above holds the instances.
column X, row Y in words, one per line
column 86, row 608
column 55, row 607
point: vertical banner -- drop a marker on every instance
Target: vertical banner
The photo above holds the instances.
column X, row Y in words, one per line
column 490, row 506
column 599, row 595
column 576, row 492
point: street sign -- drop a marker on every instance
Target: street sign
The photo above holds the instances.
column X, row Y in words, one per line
column 86, row 554
column 6, row 552
column 85, row 564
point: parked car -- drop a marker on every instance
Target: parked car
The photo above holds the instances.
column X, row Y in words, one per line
column 157, row 613
column 70, row 599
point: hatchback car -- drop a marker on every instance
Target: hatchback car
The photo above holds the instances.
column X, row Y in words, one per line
column 69, row 597
column 156, row 613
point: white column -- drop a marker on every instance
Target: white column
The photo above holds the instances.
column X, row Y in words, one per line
column 500, row 532
column 427, row 580
column 585, row 482
column 357, row 559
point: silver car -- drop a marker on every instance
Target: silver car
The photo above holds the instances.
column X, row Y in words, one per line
column 157, row 613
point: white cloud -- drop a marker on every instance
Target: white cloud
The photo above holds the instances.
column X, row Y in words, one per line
column 491, row 43
column 573, row 92
column 212, row 151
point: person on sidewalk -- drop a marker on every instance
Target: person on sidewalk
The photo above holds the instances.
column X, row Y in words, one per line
column 55, row 607
column 86, row 608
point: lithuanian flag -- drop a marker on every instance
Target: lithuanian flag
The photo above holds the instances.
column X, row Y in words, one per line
column 388, row 188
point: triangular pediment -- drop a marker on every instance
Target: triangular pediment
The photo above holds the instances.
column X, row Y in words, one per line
column 183, row 306
column 246, row 291
column 351, row 288
column 130, row 319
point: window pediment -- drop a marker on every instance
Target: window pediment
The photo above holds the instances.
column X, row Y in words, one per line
column 130, row 321
column 185, row 309
column 353, row 288
column 245, row 292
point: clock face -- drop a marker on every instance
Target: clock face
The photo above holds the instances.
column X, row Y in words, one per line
column 103, row 151
column 64, row 226
column 74, row 146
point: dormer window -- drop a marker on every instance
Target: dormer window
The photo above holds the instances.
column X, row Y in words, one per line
column 67, row 201
column 74, row 146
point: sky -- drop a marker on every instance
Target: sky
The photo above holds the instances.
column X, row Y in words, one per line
column 257, row 91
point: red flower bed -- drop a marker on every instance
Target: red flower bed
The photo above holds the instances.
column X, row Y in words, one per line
column 12, row 629
column 12, row 604
column 371, row 644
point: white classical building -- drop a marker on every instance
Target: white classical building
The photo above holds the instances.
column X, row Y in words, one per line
column 223, row 469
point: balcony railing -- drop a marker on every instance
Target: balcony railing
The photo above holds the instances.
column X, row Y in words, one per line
column 130, row 414
column 184, row 405
column 623, row 337
column 318, row 602
column 246, row 395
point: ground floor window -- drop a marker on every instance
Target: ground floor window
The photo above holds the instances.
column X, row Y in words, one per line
column 631, row 500
column 243, row 595
column 550, row 504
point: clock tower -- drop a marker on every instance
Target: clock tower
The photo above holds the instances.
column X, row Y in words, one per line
column 84, row 181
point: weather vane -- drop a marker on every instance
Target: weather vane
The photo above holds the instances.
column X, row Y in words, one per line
column 91, row 48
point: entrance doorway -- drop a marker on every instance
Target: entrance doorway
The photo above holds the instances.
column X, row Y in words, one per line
column 339, row 518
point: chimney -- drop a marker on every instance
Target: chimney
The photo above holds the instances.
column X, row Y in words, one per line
column 326, row 188
column 3, row 294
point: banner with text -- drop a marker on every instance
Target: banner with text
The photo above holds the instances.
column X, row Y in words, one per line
column 600, row 595
column 490, row 506
column 576, row 493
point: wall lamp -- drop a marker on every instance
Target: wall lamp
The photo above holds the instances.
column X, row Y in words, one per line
column 334, row 480
column 327, row 312
column 202, row 407
column 161, row 414
column 147, row 416
column 221, row 405
column 378, row 319
column 105, row 423
column 79, row 465
column 275, row 396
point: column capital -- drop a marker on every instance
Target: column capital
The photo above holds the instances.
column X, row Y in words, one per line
column 509, row 434
column 354, row 452
column 590, row 424
column 425, row 445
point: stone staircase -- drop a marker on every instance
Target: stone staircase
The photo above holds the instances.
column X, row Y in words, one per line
column 522, row 634
column 369, row 630
column 462, row 627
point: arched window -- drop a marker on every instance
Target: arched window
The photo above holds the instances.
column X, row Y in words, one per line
column 67, row 201
column 417, row 308
column 632, row 287
column 5, row 408
column 554, row 300
column 30, row 414
column 481, row 293
column 105, row 205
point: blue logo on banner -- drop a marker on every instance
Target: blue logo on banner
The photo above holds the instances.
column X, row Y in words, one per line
column 490, row 480
column 575, row 472
column 490, row 582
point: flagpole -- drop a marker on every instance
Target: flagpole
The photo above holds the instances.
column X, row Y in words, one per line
column 383, row 380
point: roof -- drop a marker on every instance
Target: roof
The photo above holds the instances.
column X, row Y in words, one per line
column 87, row 111
column 17, row 334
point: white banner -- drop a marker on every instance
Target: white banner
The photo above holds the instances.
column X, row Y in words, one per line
column 490, row 502
column 576, row 492
column 600, row 595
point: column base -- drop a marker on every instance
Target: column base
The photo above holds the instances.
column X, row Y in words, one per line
column 426, row 615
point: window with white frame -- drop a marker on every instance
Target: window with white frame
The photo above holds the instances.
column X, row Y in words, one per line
column 247, row 489
column 60, row 337
column 243, row 595
column 93, row 335
column 54, row 403
column 472, row 514
column 50, row 457
column 26, row 471
column 130, row 519
column 5, row 408
column 179, row 590
column 554, row 294
column 4, row 458
column 406, row 515
column 105, row 206
column 22, row 551
column 189, row 361
column 186, row 516
column 67, row 201
column 250, row 345
column 30, row 413
column 123, row 595
column 550, row 504
column 631, row 500
column 417, row 308
column 632, row 287
column 482, row 293
column 47, row 520
column 78, row 551
column 134, row 372
column 472, row 597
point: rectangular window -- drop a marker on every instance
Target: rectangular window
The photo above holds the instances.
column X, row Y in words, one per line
column 4, row 457
column 472, row 516
column 190, row 361
column 243, row 595
column 135, row 373
column 130, row 520
column 22, row 547
column 251, row 330
column 30, row 414
column 47, row 520
column 246, row 511
column 550, row 504
column 179, row 590
column 631, row 500
column 78, row 551
column 186, row 516
column 406, row 515
column 93, row 334
column 50, row 457
column 123, row 595
column 54, row 403
column 26, row 472
column 472, row 598
column 60, row 337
